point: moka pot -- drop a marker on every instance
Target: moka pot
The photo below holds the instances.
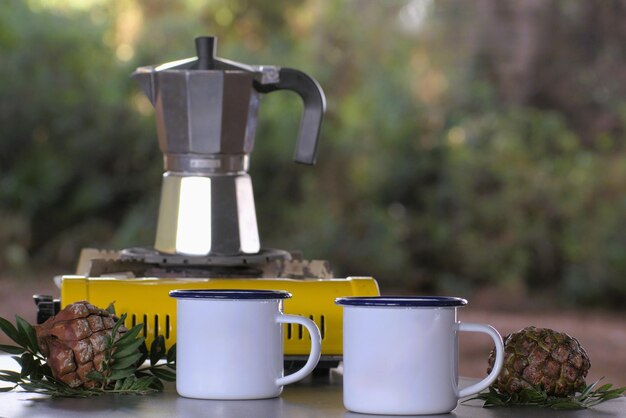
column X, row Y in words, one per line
column 206, row 115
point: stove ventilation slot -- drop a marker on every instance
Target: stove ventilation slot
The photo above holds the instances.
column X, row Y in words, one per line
column 296, row 331
column 159, row 326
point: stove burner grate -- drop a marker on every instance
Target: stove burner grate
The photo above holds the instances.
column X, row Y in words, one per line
column 151, row 256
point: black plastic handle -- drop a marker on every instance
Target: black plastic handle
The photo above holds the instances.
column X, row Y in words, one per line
column 314, row 107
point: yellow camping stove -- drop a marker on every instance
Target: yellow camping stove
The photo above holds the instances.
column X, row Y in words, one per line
column 141, row 291
column 207, row 236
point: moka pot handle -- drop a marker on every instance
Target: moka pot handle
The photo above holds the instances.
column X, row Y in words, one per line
column 314, row 107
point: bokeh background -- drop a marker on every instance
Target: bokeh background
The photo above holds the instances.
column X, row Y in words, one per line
column 469, row 148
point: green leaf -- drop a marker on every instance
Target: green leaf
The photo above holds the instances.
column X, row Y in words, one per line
column 156, row 384
column 130, row 336
column 144, row 383
column 128, row 382
column 45, row 369
column 118, row 324
column 532, row 396
column 566, row 405
column 10, row 372
column 37, row 373
column 10, row 376
column 111, row 308
column 121, row 374
column 610, row 396
column 11, row 332
column 27, row 330
column 605, row 396
column 108, row 341
column 7, row 389
column 128, row 349
column 157, row 349
column 95, row 375
column 58, row 389
column 587, row 390
column 11, row 349
column 127, row 361
column 494, row 402
column 28, row 364
column 171, row 354
column 119, row 384
column 143, row 349
column 163, row 374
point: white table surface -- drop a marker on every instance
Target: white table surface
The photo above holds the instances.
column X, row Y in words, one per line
column 319, row 397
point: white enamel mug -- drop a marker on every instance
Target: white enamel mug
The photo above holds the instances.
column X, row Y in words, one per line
column 400, row 354
column 229, row 344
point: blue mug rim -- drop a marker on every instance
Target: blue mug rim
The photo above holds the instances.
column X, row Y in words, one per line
column 402, row 301
column 229, row 294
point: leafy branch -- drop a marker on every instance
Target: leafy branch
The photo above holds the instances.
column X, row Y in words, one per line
column 588, row 397
column 121, row 371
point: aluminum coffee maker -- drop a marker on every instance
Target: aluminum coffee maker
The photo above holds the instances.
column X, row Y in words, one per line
column 206, row 113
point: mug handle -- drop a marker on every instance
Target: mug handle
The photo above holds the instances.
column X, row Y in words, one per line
column 316, row 348
column 491, row 377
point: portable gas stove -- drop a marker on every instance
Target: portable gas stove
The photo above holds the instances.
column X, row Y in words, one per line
column 207, row 235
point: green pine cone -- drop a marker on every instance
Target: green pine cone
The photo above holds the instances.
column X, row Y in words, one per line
column 542, row 359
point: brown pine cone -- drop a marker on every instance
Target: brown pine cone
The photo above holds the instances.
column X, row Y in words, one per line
column 73, row 342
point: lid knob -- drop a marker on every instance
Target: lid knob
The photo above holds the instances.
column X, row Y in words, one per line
column 205, row 50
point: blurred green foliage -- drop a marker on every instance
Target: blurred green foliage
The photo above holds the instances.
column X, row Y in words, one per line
column 465, row 145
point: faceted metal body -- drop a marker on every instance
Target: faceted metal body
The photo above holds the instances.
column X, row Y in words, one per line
column 205, row 112
column 202, row 215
